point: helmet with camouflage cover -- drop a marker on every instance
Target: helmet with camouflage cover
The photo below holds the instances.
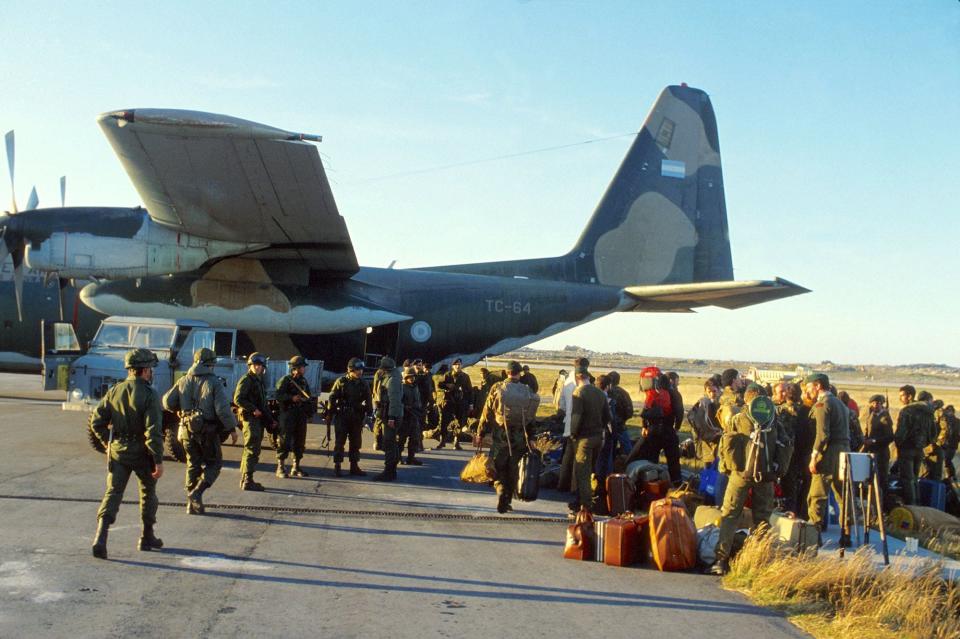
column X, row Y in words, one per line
column 387, row 363
column 204, row 356
column 140, row 358
column 296, row 361
column 355, row 364
column 257, row 358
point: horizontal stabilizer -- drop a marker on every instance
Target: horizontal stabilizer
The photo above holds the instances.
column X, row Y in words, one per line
column 680, row 298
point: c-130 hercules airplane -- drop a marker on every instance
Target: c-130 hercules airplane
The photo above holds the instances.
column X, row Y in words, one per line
column 241, row 230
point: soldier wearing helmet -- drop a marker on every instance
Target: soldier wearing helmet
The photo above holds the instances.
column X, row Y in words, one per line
column 128, row 422
column 297, row 406
column 411, row 420
column 250, row 396
column 350, row 403
column 388, row 411
column 201, row 391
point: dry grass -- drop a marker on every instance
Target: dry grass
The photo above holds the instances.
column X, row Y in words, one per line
column 848, row 598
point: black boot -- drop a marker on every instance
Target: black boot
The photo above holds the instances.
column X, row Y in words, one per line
column 249, row 484
column 456, row 445
column 355, row 470
column 719, row 568
column 503, row 504
column 282, row 470
column 147, row 539
column 297, row 471
column 336, row 469
column 413, row 461
column 100, row 541
column 386, row 475
column 195, row 499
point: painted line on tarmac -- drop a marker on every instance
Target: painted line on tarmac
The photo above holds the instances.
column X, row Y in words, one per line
column 332, row 512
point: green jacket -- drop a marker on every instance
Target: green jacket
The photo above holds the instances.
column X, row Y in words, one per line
column 492, row 407
column 915, row 427
column 350, row 399
column 200, row 389
column 250, row 395
column 292, row 412
column 831, row 421
column 388, row 387
column 880, row 430
column 590, row 413
column 129, row 422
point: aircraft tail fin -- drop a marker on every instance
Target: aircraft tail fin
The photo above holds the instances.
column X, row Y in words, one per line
column 663, row 218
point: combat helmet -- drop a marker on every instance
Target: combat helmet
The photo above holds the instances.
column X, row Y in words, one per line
column 140, row 358
column 387, row 363
column 355, row 364
column 257, row 358
column 297, row 361
column 204, row 356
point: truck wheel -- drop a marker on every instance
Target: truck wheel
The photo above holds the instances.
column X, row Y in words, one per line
column 95, row 442
column 173, row 446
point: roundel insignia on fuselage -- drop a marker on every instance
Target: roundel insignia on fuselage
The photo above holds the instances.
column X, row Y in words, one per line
column 420, row 331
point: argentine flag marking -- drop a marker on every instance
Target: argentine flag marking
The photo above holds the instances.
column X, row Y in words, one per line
column 673, row 169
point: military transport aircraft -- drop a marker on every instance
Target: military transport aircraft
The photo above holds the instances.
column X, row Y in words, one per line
column 240, row 229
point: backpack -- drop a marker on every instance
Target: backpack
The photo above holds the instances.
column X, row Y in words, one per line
column 761, row 451
column 515, row 406
column 191, row 421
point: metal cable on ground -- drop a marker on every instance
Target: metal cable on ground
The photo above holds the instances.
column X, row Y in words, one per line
column 330, row 512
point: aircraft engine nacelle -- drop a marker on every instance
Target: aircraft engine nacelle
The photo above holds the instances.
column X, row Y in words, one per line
column 105, row 254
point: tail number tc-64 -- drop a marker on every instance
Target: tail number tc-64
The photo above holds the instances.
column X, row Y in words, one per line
column 517, row 307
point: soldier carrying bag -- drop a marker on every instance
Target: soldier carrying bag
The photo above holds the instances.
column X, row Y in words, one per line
column 191, row 421
column 762, row 448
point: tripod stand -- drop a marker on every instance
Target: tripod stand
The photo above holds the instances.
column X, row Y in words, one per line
column 859, row 470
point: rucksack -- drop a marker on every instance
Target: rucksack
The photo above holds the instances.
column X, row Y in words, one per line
column 515, row 406
column 649, row 379
column 761, row 451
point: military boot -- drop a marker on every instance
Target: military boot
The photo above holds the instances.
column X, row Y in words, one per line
column 100, row 541
column 456, row 445
column 336, row 469
column 719, row 568
column 503, row 505
column 413, row 461
column 297, row 471
column 195, row 499
column 148, row 541
column 282, row 470
column 355, row 470
column 386, row 475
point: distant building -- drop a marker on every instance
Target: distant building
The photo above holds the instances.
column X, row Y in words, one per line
column 773, row 376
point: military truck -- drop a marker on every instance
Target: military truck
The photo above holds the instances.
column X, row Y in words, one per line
column 87, row 377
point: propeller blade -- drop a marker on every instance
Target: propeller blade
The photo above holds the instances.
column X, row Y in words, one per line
column 63, row 193
column 17, row 254
column 11, row 157
column 33, row 200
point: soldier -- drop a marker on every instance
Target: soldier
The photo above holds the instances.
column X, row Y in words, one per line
column 443, row 383
column 730, row 400
column 201, row 390
column 426, row 388
column 463, row 399
column 564, row 402
column 529, row 380
column 251, row 400
column 804, row 433
column 932, row 467
column 951, row 440
column 590, row 415
column 297, row 406
column 128, row 422
column 703, row 419
column 388, row 411
column 676, row 399
column 350, row 403
column 914, row 433
column 789, row 420
column 507, row 413
column 412, row 417
column 746, row 478
column 877, row 439
column 487, row 380
column 659, row 433
column 623, row 445
column 832, row 437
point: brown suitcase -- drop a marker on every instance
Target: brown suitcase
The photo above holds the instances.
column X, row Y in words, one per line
column 652, row 491
column 673, row 539
column 622, row 542
column 580, row 538
column 621, row 494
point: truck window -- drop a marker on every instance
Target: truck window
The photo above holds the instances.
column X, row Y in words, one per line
column 113, row 335
column 224, row 344
column 153, row 337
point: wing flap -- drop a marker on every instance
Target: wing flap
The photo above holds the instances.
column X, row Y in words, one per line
column 729, row 294
column 228, row 179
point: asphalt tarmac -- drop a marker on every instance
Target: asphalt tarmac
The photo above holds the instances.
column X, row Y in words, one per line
column 339, row 557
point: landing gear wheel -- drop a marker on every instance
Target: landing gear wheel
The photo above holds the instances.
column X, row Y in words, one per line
column 173, row 446
column 95, row 442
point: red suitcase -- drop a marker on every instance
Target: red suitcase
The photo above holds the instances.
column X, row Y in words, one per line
column 622, row 542
column 621, row 494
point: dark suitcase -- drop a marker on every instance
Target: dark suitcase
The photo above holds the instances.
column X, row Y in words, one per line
column 621, row 542
column 621, row 494
column 932, row 494
column 651, row 491
column 528, row 477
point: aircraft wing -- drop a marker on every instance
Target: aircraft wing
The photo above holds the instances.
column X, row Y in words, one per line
column 683, row 298
column 223, row 178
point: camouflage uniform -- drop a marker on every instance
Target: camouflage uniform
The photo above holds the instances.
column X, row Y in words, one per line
column 913, row 434
column 250, row 395
column 350, row 403
column 388, row 407
column 509, row 442
column 200, row 389
column 832, row 428
column 589, row 417
column 296, row 409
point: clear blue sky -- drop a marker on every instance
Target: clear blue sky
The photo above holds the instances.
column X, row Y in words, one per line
column 838, row 127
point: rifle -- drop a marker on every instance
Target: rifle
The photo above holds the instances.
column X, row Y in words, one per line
column 328, row 418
